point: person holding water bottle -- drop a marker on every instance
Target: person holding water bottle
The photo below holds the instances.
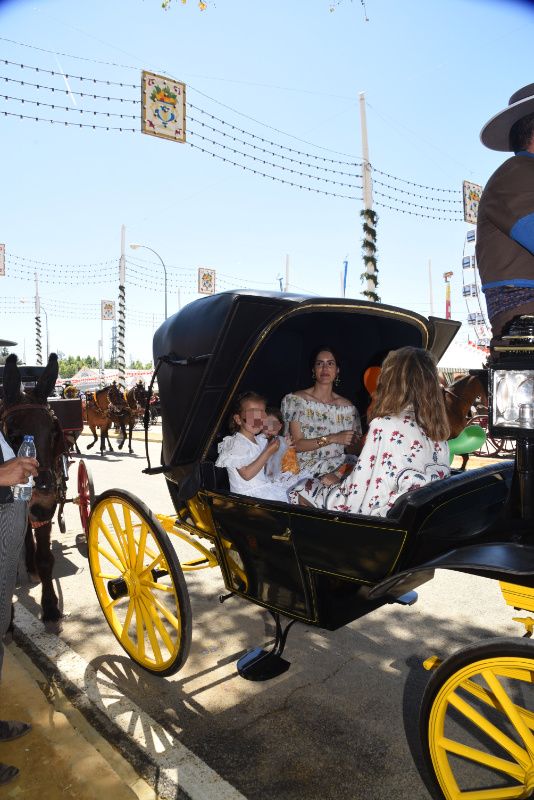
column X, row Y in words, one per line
column 16, row 482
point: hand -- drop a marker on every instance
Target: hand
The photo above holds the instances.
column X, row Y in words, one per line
column 18, row 470
column 345, row 438
column 273, row 446
column 329, row 479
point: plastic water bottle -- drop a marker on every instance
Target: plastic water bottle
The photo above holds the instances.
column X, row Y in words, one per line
column 23, row 491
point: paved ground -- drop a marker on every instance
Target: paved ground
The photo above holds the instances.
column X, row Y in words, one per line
column 341, row 723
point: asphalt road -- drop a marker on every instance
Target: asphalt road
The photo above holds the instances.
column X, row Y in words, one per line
column 341, row 723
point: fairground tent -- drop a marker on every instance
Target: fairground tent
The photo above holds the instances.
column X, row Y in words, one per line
column 461, row 357
column 88, row 378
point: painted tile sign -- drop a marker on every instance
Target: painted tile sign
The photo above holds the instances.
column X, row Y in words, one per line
column 471, row 193
column 162, row 107
column 206, row 281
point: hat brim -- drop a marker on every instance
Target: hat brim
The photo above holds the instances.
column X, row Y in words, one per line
column 496, row 133
column 7, row 343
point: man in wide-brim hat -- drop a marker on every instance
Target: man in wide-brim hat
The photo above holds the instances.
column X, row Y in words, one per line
column 505, row 227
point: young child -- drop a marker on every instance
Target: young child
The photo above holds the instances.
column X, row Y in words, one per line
column 284, row 460
column 406, row 445
column 246, row 452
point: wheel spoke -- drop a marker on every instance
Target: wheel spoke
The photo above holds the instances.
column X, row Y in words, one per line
column 162, row 630
column 510, row 709
column 112, row 560
column 140, row 629
column 153, row 564
column 119, row 530
column 159, row 586
column 171, row 619
column 479, row 757
column 517, row 752
column 126, row 626
column 156, row 650
column 130, row 536
column 141, row 547
column 112, row 543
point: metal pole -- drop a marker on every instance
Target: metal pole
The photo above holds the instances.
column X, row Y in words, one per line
column 145, row 247
column 102, row 377
column 369, row 249
column 121, row 360
column 430, row 286
column 286, row 286
column 38, row 349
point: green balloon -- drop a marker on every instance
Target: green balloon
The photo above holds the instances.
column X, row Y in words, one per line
column 470, row 439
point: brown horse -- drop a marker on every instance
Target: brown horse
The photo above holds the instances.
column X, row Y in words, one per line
column 460, row 397
column 108, row 406
column 28, row 412
column 136, row 398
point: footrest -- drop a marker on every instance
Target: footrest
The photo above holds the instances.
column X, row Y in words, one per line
column 261, row 665
column 407, row 599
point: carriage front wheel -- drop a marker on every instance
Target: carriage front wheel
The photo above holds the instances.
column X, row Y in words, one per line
column 86, row 494
column 139, row 582
column 477, row 722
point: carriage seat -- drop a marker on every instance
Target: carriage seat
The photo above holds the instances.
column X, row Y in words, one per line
column 466, row 501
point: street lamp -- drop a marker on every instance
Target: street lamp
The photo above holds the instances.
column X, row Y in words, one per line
column 144, row 246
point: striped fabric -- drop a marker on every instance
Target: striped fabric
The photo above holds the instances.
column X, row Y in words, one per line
column 13, row 520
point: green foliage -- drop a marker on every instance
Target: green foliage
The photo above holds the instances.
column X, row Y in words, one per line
column 139, row 365
column 70, row 365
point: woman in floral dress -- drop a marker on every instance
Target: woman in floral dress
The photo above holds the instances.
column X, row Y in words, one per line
column 405, row 447
column 321, row 422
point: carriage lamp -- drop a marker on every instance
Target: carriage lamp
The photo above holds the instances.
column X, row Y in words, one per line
column 511, row 401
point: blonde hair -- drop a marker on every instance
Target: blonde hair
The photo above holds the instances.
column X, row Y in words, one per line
column 409, row 379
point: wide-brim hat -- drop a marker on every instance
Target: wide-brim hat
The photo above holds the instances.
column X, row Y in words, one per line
column 496, row 133
column 7, row 343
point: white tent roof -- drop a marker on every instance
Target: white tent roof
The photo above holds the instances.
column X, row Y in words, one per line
column 464, row 355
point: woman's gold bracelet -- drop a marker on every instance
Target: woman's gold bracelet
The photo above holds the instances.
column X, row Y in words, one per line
column 322, row 441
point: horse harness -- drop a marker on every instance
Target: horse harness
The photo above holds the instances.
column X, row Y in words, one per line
column 59, row 470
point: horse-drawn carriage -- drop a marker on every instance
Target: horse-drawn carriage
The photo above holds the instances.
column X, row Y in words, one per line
column 319, row 567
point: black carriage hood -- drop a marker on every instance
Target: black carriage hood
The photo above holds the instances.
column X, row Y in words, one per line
column 226, row 343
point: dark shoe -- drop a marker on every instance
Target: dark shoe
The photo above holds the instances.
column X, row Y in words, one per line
column 11, row 729
column 7, row 773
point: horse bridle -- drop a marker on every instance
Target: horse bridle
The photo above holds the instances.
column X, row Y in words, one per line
column 57, row 468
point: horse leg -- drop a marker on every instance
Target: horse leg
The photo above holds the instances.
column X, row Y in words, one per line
column 123, row 434
column 103, row 436
column 29, row 555
column 45, row 565
column 465, row 459
column 93, row 431
column 130, row 431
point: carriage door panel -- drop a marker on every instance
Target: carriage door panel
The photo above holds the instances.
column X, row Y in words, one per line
column 259, row 556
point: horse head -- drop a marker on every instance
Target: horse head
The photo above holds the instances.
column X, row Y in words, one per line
column 28, row 413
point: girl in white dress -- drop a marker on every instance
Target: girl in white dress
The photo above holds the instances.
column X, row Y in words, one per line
column 247, row 451
column 405, row 447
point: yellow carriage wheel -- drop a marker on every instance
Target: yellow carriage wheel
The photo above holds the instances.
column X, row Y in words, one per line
column 477, row 723
column 139, row 582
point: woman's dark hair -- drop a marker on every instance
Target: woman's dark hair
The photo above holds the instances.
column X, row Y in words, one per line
column 521, row 133
column 237, row 406
column 324, row 348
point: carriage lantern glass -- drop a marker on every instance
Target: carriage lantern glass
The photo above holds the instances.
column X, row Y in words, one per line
column 511, row 381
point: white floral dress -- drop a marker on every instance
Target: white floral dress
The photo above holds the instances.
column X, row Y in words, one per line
column 397, row 457
column 319, row 419
column 237, row 451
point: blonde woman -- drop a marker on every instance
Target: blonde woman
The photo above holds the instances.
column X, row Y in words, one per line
column 405, row 447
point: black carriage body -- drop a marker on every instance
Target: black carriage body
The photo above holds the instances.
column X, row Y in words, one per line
column 321, row 567
column 69, row 413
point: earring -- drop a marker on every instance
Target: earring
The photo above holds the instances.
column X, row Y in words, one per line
column 337, row 380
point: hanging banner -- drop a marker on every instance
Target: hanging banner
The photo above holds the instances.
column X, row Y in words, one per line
column 162, row 107
column 108, row 309
column 2, row 259
column 206, row 281
column 471, row 193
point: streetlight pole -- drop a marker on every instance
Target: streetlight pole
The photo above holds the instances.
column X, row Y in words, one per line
column 144, row 246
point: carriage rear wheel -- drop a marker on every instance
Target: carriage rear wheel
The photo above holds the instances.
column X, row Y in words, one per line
column 86, row 494
column 139, row 582
column 477, row 722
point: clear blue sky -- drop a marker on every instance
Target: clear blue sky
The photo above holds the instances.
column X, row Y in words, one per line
column 433, row 72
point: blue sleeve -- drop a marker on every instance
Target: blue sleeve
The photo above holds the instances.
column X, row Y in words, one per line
column 522, row 232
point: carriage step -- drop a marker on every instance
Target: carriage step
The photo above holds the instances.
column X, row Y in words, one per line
column 261, row 665
column 407, row 599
